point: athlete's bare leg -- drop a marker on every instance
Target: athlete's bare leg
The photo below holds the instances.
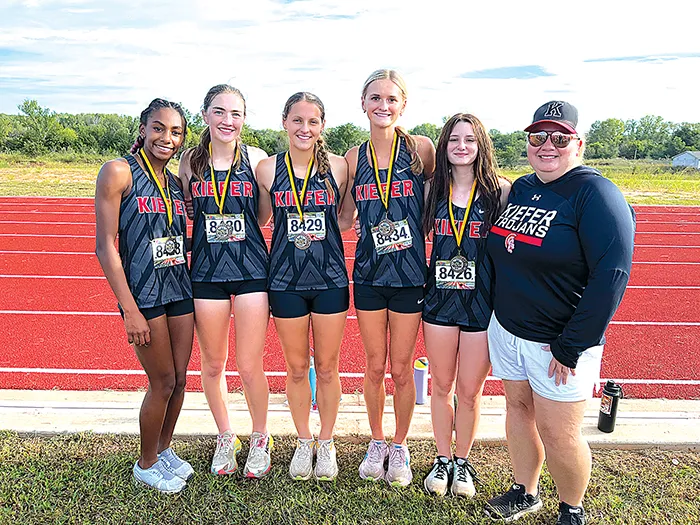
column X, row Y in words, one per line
column 472, row 369
column 442, row 344
column 213, row 321
column 159, row 363
column 403, row 329
column 294, row 336
column 373, row 327
column 251, row 317
column 328, row 334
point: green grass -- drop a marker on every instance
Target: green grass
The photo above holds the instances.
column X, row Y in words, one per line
column 642, row 182
column 86, row 478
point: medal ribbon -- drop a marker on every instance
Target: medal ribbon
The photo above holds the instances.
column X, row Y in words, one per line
column 152, row 173
column 459, row 235
column 298, row 200
column 220, row 203
column 384, row 195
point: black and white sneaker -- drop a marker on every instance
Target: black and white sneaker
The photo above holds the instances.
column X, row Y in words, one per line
column 512, row 505
column 439, row 477
column 464, row 476
column 570, row 515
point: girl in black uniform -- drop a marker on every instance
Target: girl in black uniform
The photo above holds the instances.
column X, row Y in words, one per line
column 137, row 198
column 464, row 199
column 308, row 278
column 229, row 258
column 387, row 176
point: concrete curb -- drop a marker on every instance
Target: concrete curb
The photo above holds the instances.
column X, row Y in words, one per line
column 666, row 424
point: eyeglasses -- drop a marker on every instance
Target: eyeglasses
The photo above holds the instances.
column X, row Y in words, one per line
column 559, row 139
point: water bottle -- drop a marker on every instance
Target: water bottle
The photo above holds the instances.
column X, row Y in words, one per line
column 612, row 393
column 312, row 381
column 420, row 378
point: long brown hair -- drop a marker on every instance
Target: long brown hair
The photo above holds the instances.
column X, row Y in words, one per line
column 199, row 160
column 321, row 159
column 485, row 173
column 411, row 143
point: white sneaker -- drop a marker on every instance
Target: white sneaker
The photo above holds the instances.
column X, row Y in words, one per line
column 159, row 477
column 399, row 473
column 372, row 466
column 179, row 467
column 326, row 461
column 301, row 466
column 463, row 482
column 439, row 477
column 224, row 460
column 259, row 461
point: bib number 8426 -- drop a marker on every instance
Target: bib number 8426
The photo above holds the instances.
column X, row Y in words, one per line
column 448, row 278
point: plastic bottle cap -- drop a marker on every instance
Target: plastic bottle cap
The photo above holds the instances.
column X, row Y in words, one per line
column 421, row 362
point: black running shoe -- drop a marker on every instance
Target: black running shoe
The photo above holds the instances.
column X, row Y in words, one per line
column 569, row 515
column 512, row 505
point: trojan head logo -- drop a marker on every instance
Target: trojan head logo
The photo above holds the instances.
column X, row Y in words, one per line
column 510, row 243
column 554, row 109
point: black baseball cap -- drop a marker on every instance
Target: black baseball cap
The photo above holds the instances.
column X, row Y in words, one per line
column 556, row 112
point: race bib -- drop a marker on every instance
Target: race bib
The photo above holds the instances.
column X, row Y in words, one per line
column 446, row 277
column 313, row 225
column 168, row 251
column 225, row 228
column 397, row 240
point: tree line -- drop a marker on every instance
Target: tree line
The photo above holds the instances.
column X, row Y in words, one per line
column 37, row 130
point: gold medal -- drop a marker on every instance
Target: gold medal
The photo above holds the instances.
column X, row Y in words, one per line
column 223, row 231
column 458, row 263
column 302, row 241
column 170, row 247
column 386, row 227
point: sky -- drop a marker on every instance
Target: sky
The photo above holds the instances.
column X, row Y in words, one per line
column 499, row 60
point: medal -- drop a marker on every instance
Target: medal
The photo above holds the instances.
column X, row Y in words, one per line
column 458, row 263
column 386, row 227
column 170, row 247
column 302, row 241
column 223, row 231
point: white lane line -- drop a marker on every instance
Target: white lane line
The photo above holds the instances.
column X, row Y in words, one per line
column 659, row 246
column 678, row 223
column 653, row 323
column 349, row 375
column 351, row 317
column 44, row 235
column 659, row 287
column 87, row 277
column 49, row 222
column 666, row 233
column 46, row 197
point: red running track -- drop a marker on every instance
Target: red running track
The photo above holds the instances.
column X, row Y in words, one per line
column 652, row 343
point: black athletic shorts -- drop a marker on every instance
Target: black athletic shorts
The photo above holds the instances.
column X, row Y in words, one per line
column 462, row 327
column 406, row 300
column 298, row 304
column 174, row 309
column 224, row 290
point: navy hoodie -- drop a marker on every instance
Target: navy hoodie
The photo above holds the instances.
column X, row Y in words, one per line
column 562, row 253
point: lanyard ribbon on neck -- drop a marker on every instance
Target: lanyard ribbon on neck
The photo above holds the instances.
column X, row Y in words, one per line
column 220, row 202
column 167, row 199
column 384, row 195
column 298, row 200
column 459, row 235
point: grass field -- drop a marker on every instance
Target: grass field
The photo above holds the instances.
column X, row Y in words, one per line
column 642, row 182
column 86, row 478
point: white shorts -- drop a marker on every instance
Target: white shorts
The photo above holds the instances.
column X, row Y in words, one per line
column 516, row 359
